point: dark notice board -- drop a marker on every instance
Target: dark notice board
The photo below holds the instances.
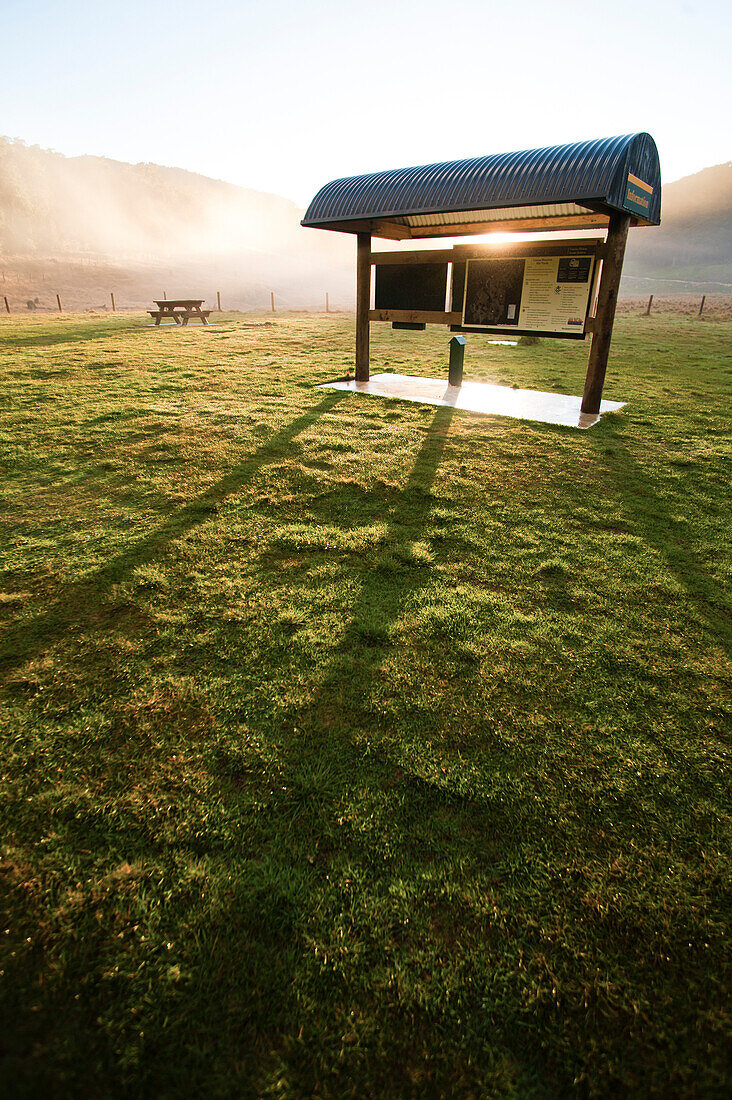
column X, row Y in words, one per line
column 411, row 286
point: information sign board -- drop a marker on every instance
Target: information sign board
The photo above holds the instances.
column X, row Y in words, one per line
column 544, row 290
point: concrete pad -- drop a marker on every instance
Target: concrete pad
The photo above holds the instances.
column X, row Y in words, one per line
column 481, row 397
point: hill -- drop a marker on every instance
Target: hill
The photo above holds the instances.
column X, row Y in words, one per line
column 143, row 225
column 692, row 249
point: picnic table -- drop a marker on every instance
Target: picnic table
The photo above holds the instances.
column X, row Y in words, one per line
column 180, row 309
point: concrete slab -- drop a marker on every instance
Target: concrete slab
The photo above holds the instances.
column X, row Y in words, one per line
column 481, row 397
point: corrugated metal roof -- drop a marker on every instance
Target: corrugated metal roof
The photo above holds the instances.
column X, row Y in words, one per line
column 593, row 173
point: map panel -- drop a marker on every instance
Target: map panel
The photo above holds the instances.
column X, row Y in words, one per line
column 546, row 291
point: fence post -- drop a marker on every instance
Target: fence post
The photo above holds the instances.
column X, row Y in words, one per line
column 701, row 307
column 218, row 299
column 327, row 304
column 7, row 307
column 271, row 294
column 59, row 304
column 114, row 308
column 648, row 310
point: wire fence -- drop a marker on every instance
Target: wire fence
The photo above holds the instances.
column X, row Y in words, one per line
column 114, row 302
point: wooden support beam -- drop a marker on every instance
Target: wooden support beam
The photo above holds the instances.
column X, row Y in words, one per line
column 376, row 227
column 607, row 301
column 514, row 225
column 424, row 256
column 363, row 302
column 416, row 316
column 397, row 231
column 460, row 252
column 394, row 231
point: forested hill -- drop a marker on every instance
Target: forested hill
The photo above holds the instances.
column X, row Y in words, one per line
column 56, row 205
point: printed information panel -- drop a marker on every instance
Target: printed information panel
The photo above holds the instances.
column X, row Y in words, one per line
column 545, row 292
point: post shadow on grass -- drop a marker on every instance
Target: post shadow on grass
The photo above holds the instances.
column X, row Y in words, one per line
column 383, row 592
column 428, row 831
column 81, row 604
column 648, row 511
column 395, row 578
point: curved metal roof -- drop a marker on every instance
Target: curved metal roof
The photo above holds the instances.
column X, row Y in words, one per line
column 606, row 174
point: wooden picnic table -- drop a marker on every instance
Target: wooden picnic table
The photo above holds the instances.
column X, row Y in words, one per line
column 180, row 309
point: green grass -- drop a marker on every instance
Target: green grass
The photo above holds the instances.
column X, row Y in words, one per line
column 356, row 748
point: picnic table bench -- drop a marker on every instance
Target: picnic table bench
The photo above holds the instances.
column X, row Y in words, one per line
column 181, row 310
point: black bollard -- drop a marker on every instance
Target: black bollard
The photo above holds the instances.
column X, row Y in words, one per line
column 457, row 355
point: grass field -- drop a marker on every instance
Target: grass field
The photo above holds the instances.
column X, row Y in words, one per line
column 356, row 748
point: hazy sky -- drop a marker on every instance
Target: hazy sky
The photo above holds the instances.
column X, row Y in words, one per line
column 284, row 96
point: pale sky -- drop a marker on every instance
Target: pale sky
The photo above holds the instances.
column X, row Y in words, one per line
column 283, row 96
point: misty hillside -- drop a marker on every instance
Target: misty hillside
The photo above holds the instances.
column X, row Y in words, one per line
column 149, row 227
column 53, row 205
column 694, row 240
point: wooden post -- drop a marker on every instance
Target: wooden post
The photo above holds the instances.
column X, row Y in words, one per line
column 218, row 300
column 701, row 307
column 7, row 307
column 648, row 308
column 327, row 305
column 114, row 308
column 363, row 304
column 607, row 300
column 59, row 304
column 271, row 295
column 165, row 295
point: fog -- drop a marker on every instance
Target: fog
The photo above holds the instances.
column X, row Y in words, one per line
column 140, row 224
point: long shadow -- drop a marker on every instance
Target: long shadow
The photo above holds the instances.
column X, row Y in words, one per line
column 409, row 513
column 671, row 538
column 250, row 960
column 384, row 588
column 435, row 828
column 338, row 701
column 79, row 604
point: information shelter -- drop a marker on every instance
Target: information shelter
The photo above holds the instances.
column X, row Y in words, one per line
column 561, row 288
